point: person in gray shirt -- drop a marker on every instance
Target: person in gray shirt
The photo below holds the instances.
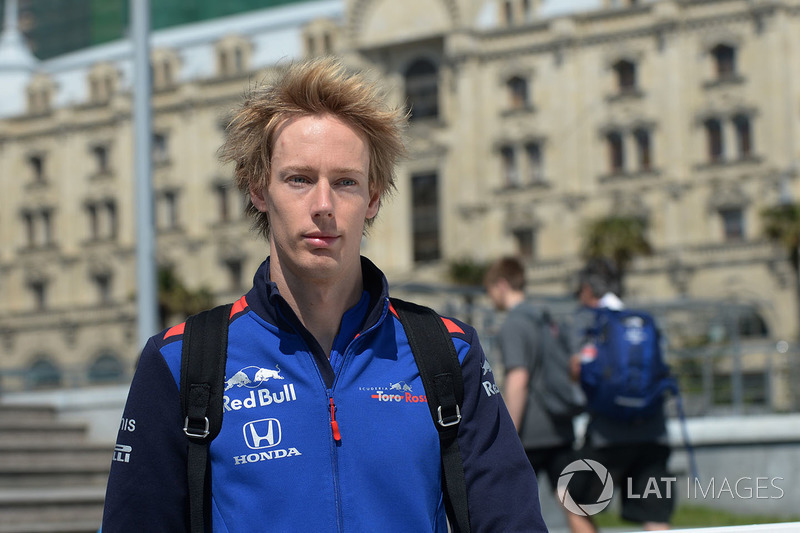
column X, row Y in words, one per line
column 548, row 440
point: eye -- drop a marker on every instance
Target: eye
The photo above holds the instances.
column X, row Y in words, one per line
column 299, row 180
column 348, row 182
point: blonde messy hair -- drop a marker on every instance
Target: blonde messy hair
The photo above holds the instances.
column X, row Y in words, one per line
column 314, row 87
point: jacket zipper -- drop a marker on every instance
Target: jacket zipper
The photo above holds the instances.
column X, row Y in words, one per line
column 334, row 424
column 335, row 443
column 335, row 432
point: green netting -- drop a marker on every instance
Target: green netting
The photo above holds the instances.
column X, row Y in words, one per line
column 55, row 27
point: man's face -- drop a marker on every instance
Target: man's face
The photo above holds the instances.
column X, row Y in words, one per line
column 496, row 291
column 586, row 296
column 318, row 197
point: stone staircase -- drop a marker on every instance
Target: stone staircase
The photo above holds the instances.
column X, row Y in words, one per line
column 51, row 478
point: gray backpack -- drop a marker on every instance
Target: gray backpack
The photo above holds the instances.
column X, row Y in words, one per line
column 560, row 396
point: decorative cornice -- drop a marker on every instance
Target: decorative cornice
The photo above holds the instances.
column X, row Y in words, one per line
column 653, row 27
column 359, row 9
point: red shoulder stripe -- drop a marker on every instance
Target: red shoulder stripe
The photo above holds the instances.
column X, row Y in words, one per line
column 175, row 330
column 239, row 306
column 452, row 327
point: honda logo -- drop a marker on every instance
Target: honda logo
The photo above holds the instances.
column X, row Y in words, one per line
column 260, row 434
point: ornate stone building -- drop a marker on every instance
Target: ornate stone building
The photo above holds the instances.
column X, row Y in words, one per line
column 525, row 124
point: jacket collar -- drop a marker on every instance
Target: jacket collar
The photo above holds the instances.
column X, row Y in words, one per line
column 265, row 299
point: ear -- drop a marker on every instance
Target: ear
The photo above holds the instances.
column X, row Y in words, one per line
column 258, row 198
column 503, row 285
column 374, row 205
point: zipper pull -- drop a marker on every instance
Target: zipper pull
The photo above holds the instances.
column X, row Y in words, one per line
column 334, row 424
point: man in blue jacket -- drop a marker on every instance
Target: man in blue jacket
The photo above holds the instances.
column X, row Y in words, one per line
column 325, row 424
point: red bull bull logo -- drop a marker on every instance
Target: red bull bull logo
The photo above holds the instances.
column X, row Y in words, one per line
column 252, row 377
column 400, row 392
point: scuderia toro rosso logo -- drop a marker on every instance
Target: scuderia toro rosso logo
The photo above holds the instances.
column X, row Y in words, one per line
column 400, row 392
column 255, row 378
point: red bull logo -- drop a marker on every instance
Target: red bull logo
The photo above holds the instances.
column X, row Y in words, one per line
column 490, row 388
column 252, row 377
column 400, row 386
column 260, row 398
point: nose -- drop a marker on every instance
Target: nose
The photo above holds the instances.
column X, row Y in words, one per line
column 322, row 203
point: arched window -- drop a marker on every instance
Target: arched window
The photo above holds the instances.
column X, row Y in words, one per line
column 752, row 325
column 422, row 89
column 106, row 369
column 43, row 373
column 748, row 323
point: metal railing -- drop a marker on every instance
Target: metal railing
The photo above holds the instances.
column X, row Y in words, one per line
column 725, row 362
column 720, row 370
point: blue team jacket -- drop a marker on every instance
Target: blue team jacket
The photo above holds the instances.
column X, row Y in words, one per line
column 279, row 463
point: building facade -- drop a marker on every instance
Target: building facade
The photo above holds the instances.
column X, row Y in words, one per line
column 526, row 124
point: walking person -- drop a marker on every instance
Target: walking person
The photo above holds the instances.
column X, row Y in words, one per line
column 311, row 439
column 528, row 347
column 635, row 451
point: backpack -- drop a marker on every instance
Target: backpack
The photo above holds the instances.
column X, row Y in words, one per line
column 553, row 386
column 627, row 378
column 203, row 357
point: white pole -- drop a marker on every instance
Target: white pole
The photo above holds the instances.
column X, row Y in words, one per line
column 142, row 138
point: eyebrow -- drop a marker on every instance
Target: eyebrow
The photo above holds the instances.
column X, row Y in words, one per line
column 303, row 168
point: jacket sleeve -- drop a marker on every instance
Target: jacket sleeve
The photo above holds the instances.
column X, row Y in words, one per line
column 502, row 492
column 147, row 489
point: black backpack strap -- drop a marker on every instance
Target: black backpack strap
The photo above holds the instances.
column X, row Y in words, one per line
column 437, row 361
column 203, row 357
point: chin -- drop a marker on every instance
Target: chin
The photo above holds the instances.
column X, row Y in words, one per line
column 321, row 264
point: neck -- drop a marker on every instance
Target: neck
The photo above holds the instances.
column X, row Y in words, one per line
column 514, row 298
column 319, row 303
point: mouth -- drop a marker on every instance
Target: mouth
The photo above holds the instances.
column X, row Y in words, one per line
column 320, row 240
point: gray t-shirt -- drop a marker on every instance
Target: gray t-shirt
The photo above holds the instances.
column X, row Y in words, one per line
column 604, row 431
column 520, row 346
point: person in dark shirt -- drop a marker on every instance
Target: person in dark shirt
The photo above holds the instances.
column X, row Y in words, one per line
column 326, row 425
column 636, row 452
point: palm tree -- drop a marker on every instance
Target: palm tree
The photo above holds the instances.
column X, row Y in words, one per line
column 175, row 300
column 467, row 272
column 782, row 226
column 617, row 238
